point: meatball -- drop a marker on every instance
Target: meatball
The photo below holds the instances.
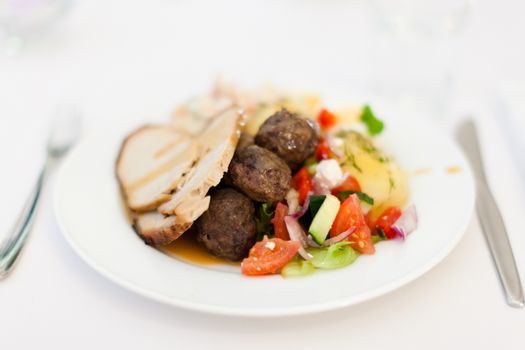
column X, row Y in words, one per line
column 289, row 136
column 245, row 140
column 227, row 229
column 260, row 174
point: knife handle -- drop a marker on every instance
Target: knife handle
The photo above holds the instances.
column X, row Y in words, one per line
column 498, row 241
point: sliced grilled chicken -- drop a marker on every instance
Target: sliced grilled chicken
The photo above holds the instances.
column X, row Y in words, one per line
column 196, row 114
column 152, row 162
column 157, row 229
column 166, row 173
column 218, row 143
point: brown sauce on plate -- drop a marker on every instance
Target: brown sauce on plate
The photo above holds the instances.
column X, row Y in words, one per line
column 185, row 247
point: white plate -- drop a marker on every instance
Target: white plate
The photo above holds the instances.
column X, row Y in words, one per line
column 92, row 219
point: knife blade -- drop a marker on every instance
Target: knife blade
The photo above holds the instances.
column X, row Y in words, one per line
column 490, row 217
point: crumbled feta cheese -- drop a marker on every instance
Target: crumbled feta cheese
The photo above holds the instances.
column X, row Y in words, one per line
column 329, row 173
column 270, row 245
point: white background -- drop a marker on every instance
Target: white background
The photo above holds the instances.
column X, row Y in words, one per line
column 54, row 299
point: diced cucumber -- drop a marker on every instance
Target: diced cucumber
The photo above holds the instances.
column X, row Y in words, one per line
column 315, row 203
column 324, row 218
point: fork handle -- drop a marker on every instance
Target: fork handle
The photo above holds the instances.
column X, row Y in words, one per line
column 498, row 241
column 14, row 242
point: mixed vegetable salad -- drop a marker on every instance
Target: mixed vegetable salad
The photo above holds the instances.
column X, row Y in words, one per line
column 345, row 199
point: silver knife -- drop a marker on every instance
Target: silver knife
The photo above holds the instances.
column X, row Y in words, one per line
column 491, row 220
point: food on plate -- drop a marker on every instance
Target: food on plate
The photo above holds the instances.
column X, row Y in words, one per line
column 324, row 218
column 194, row 116
column 269, row 256
column 277, row 181
column 227, row 229
column 155, row 228
column 260, row 174
column 288, row 135
column 350, row 217
column 378, row 176
column 152, row 162
column 216, row 145
column 165, row 179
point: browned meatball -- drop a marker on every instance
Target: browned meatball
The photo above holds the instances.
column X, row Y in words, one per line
column 289, row 136
column 227, row 229
column 260, row 174
column 245, row 140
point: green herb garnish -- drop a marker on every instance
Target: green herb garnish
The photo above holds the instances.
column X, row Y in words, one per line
column 392, row 183
column 374, row 125
column 354, row 164
column 342, row 133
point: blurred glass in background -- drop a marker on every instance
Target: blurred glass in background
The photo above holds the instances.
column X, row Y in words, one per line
column 416, row 44
column 22, row 21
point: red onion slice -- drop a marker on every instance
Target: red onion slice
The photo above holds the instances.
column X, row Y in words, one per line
column 304, row 208
column 312, row 243
column 339, row 237
column 297, row 234
column 407, row 222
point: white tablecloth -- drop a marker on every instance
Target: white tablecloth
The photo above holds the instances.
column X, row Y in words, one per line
column 53, row 299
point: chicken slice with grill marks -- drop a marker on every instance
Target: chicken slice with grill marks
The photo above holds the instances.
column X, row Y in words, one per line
column 165, row 174
column 152, row 163
column 217, row 143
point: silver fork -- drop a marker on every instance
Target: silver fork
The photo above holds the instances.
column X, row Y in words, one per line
column 65, row 130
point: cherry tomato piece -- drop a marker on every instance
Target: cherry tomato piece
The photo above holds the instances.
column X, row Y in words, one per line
column 326, row 119
column 323, row 150
column 303, row 184
column 386, row 220
column 279, row 226
column 350, row 184
column 350, row 215
column 269, row 256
